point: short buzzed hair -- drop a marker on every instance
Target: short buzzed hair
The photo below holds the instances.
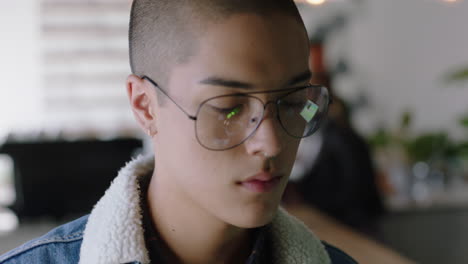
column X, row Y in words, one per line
column 164, row 33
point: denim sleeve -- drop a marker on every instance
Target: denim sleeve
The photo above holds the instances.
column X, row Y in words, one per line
column 61, row 245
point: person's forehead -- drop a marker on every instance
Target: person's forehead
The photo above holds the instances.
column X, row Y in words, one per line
column 255, row 29
column 255, row 47
column 263, row 51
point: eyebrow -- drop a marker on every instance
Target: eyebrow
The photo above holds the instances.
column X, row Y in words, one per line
column 303, row 77
column 219, row 81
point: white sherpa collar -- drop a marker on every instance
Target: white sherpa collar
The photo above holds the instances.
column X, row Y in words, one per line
column 114, row 232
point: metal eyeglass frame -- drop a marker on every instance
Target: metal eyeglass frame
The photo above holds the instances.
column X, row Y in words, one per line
column 276, row 102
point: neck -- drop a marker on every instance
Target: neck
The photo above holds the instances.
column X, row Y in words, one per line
column 191, row 234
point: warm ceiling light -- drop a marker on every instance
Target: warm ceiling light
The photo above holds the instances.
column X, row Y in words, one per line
column 315, row 2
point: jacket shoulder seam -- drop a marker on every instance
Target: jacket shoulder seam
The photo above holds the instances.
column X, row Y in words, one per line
column 29, row 246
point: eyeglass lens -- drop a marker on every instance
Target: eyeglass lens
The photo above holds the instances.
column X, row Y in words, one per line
column 226, row 121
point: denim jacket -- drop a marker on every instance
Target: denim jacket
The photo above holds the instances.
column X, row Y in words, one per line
column 113, row 233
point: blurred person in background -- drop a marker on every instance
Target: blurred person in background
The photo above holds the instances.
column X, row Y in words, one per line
column 335, row 171
column 222, row 89
column 341, row 180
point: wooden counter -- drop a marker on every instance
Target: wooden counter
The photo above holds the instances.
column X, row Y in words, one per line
column 361, row 248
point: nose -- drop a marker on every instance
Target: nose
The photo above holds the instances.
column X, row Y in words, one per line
column 266, row 139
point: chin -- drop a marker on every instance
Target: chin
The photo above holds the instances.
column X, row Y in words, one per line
column 255, row 217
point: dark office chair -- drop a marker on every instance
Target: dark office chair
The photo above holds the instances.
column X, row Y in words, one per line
column 60, row 178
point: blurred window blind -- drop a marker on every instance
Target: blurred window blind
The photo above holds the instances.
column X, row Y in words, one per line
column 85, row 64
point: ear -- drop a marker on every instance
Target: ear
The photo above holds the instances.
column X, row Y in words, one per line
column 142, row 101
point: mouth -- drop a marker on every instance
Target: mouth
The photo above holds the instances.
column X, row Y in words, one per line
column 262, row 182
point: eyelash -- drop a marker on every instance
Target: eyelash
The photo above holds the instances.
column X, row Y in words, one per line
column 226, row 110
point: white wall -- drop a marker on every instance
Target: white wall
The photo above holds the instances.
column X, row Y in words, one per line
column 400, row 51
column 63, row 66
column 20, row 85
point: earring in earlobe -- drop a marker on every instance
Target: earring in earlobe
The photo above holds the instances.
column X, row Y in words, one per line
column 152, row 131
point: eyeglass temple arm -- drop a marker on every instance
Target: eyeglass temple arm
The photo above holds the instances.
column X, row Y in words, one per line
column 164, row 92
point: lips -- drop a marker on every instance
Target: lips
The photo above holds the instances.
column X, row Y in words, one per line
column 261, row 182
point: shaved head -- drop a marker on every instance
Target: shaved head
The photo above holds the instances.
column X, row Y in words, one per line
column 208, row 57
column 164, row 33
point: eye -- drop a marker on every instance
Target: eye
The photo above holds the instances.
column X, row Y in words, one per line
column 292, row 103
column 228, row 112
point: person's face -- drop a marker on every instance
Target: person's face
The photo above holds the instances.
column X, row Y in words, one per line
column 267, row 53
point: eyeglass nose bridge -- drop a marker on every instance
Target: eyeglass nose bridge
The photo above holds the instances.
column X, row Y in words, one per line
column 275, row 108
column 265, row 113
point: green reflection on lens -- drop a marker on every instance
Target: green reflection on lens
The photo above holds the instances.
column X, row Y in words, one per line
column 234, row 112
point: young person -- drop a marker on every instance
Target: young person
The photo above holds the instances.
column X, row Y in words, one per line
column 221, row 87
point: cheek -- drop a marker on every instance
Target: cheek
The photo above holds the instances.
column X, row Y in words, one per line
column 175, row 139
column 209, row 168
column 188, row 160
column 288, row 156
column 208, row 180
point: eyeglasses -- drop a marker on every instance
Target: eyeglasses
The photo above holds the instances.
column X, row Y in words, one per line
column 226, row 121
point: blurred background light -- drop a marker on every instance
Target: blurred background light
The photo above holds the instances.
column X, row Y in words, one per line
column 8, row 221
column 315, row 2
column 312, row 2
column 7, row 191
